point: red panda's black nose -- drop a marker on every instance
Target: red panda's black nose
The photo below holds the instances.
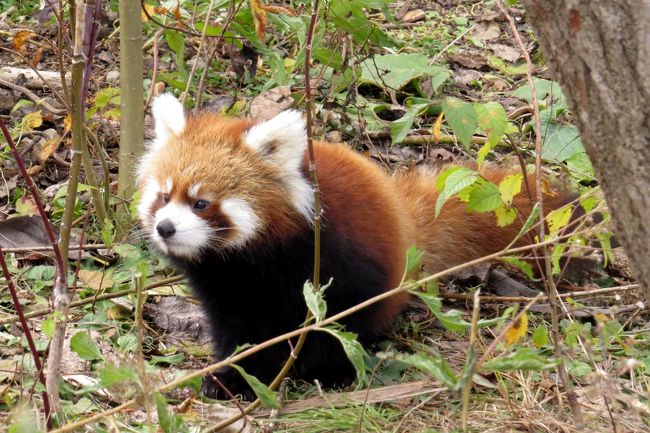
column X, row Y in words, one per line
column 165, row 229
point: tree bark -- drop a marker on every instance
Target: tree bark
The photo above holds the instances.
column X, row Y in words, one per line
column 599, row 51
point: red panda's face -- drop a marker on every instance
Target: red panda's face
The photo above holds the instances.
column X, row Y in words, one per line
column 209, row 183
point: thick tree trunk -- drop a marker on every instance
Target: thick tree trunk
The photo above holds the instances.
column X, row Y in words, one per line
column 599, row 51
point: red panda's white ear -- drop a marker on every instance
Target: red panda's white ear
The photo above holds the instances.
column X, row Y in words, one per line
column 281, row 140
column 169, row 118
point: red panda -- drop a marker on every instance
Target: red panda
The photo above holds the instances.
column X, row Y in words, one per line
column 230, row 203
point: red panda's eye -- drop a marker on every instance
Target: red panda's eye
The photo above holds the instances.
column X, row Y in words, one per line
column 165, row 198
column 200, row 204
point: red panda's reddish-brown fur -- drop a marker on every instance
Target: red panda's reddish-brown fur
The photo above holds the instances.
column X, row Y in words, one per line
column 229, row 201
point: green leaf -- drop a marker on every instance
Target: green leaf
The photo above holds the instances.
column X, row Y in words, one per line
column 400, row 128
column 543, row 87
column 176, row 41
column 462, row 119
column 540, row 336
column 47, row 326
column 559, row 218
column 579, row 368
column 580, row 167
column 394, row 71
column 485, row 197
column 354, row 351
column 522, row 359
column 110, row 375
column 83, row 345
column 605, row 240
column 413, row 259
column 510, row 186
column 352, row 18
column 170, row 423
column 522, row 265
column 556, row 255
column 267, row 397
column 451, row 319
column 492, row 119
column 451, row 181
column 560, row 142
column 436, row 366
column 315, row 300
column 530, row 221
column 174, row 359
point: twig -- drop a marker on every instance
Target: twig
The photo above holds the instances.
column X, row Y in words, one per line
column 550, row 283
column 154, row 72
column 34, row 97
column 198, row 54
column 93, row 299
column 471, row 363
column 579, row 294
column 317, row 222
column 50, row 248
column 313, row 327
column 28, row 336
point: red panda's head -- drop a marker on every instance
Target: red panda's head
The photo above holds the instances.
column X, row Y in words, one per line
column 212, row 183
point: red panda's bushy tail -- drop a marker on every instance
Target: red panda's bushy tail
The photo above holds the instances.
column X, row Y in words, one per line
column 456, row 235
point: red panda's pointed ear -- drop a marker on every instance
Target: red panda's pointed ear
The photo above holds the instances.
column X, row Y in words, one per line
column 169, row 118
column 281, row 140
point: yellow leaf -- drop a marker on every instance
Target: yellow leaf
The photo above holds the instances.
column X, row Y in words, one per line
column 259, row 17
column 558, row 218
column 47, row 148
column 32, row 120
column 505, row 215
column 67, row 122
column 510, row 186
column 150, row 10
column 20, row 39
column 517, row 330
column 435, row 131
column 34, row 169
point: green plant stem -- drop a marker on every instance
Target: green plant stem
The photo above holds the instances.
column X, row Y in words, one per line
column 549, row 282
column 93, row 299
column 317, row 223
column 28, row 336
column 91, row 178
column 132, row 105
column 318, row 325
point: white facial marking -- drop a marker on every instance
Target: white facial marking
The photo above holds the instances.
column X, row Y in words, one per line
column 169, row 118
column 282, row 141
column 149, row 195
column 192, row 234
column 193, row 191
column 243, row 217
column 168, row 185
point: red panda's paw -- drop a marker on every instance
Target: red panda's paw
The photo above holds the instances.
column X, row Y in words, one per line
column 230, row 380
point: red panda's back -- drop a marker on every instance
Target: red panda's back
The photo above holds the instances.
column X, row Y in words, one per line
column 365, row 205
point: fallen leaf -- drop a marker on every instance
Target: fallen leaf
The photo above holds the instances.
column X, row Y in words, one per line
column 26, row 206
column 47, row 148
column 505, row 52
column 32, row 120
column 36, row 58
column 413, row 16
column 21, row 38
column 486, row 31
column 517, row 330
column 96, row 280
